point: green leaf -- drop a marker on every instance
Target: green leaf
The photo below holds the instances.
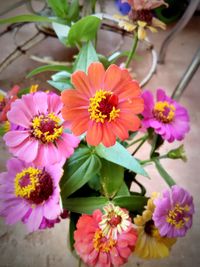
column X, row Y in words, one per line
column 27, row 18
column 84, row 30
column 119, row 155
column 94, row 183
column 61, row 86
column 123, row 191
column 59, row 7
column 47, row 68
column 112, row 176
column 62, row 32
column 84, row 204
column 86, row 56
column 78, row 172
column 61, row 80
column 131, row 203
column 168, row 179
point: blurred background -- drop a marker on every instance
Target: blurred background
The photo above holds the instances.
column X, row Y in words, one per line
column 22, row 49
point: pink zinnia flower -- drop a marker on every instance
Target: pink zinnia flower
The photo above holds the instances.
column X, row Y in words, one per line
column 168, row 118
column 104, row 104
column 30, row 194
column 39, row 134
column 173, row 212
column 96, row 249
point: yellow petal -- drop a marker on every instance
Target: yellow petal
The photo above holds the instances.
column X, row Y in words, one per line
column 141, row 33
column 117, row 16
column 129, row 27
column 152, row 29
column 141, row 23
column 159, row 24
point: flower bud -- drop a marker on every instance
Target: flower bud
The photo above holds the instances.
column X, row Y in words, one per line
column 178, row 153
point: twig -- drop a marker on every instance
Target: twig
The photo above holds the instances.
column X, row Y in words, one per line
column 49, row 61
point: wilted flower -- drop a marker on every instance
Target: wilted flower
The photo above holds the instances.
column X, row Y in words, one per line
column 150, row 244
column 173, row 212
column 145, row 4
column 6, row 101
column 95, row 249
column 140, row 18
column 39, row 134
column 104, row 104
column 115, row 220
column 168, row 118
column 30, row 194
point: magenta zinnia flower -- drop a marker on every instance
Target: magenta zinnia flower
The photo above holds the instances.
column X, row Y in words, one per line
column 30, row 194
column 96, row 249
column 173, row 212
column 165, row 116
column 39, row 134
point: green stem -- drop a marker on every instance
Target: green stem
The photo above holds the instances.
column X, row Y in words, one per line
column 79, row 262
column 132, row 51
column 138, row 140
column 151, row 160
column 93, row 5
column 139, row 146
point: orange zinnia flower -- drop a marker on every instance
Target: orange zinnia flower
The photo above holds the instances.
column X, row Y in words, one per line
column 104, row 104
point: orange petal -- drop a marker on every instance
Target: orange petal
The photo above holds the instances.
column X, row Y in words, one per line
column 131, row 122
column 129, row 90
column 70, row 114
column 81, row 83
column 96, row 74
column 80, row 126
column 72, row 99
column 109, row 138
column 119, row 130
column 112, row 77
column 134, row 105
column 94, row 134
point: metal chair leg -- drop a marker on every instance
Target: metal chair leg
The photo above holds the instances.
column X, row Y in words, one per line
column 179, row 26
column 187, row 76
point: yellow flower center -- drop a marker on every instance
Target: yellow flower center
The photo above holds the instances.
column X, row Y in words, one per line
column 34, row 185
column 177, row 217
column 47, row 128
column 26, row 182
column 164, row 112
column 103, row 106
column 102, row 243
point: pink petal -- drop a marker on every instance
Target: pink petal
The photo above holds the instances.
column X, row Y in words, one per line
column 18, row 117
column 27, row 151
column 15, row 138
column 52, row 208
column 54, row 103
column 40, row 100
column 35, row 219
column 17, row 212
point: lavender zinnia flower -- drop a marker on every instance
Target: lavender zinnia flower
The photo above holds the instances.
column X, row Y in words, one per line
column 30, row 194
column 173, row 212
column 168, row 118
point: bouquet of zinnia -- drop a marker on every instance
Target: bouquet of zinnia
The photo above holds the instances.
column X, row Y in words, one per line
column 71, row 156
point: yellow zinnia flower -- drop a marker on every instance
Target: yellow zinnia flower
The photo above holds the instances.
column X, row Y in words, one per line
column 150, row 245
